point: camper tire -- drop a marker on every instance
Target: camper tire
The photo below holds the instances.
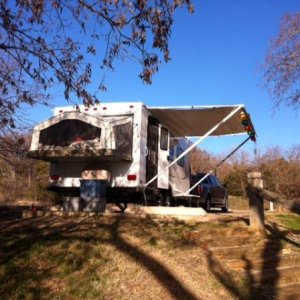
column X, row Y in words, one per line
column 167, row 199
column 207, row 204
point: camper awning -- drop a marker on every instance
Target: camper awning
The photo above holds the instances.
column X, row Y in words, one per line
column 195, row 121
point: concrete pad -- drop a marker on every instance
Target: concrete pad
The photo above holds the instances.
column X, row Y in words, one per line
column 159, row 212
column 166, row 211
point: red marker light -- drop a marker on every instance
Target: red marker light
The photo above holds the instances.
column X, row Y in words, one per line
column 79, row 139
column 200, row 189
column 54, row 177
column 131, row 177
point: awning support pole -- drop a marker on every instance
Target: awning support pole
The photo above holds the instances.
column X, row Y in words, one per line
column 218, row 165
column 209, row 132
column 232, row 152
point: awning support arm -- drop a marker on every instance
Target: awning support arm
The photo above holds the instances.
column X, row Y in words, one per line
column 218, row 165
column 232, row 152
column 209, row 132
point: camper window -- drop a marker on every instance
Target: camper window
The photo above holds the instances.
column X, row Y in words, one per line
column 67, row 132
column 123, row 134
column 164, row 138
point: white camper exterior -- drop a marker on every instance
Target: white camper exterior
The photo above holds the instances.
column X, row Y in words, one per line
column 141, row 150
column 120, row 138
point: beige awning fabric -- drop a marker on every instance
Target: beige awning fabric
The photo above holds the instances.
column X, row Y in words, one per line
column 195, row 121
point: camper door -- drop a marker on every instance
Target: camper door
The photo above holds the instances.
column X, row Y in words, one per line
column 163, row 153
column 157, row 153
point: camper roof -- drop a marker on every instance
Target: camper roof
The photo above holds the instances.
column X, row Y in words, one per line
column 183, row 121
column 193, row 121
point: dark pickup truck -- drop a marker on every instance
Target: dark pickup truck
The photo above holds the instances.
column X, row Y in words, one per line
column 211, row 192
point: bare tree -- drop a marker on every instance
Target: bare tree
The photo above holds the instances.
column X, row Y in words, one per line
column 280, row 170
column 282, row 63
column 11, row 144
column 41, row 45
column 201, row 161
column 20, row 177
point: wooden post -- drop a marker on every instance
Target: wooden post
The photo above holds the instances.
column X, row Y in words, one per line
column 271, row 206
column 256, row 204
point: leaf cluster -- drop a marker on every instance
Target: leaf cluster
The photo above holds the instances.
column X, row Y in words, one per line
column 46, row 43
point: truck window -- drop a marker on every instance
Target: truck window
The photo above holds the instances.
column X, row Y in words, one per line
column 163, row 138
column 205, row 180
column 212, row 180
column 180, row 162
column 215, row 181
column 197, row 177
column 218, row 182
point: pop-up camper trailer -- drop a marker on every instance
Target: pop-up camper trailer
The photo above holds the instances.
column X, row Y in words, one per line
column 140, row 150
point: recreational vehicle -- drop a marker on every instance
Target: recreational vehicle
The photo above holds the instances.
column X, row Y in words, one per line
column 141, row 152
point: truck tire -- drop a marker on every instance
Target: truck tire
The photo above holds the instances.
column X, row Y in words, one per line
column 207, row 204
column 225, row 207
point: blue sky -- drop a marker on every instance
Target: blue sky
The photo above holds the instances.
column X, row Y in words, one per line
column 216, row 56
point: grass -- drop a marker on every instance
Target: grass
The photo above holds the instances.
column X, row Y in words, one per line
column 116, row 257
column 104, row 258
column 238, row 202
column 291, row 221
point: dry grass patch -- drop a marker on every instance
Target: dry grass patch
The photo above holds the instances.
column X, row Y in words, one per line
column 105, row 258
column 236, row 202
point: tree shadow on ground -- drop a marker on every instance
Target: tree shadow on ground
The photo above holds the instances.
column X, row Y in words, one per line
column 19, row 240
column 264, row 287
column 161, row 272
column 18, row 243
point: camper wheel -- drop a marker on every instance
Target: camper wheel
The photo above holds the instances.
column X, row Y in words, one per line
column 167, row 199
